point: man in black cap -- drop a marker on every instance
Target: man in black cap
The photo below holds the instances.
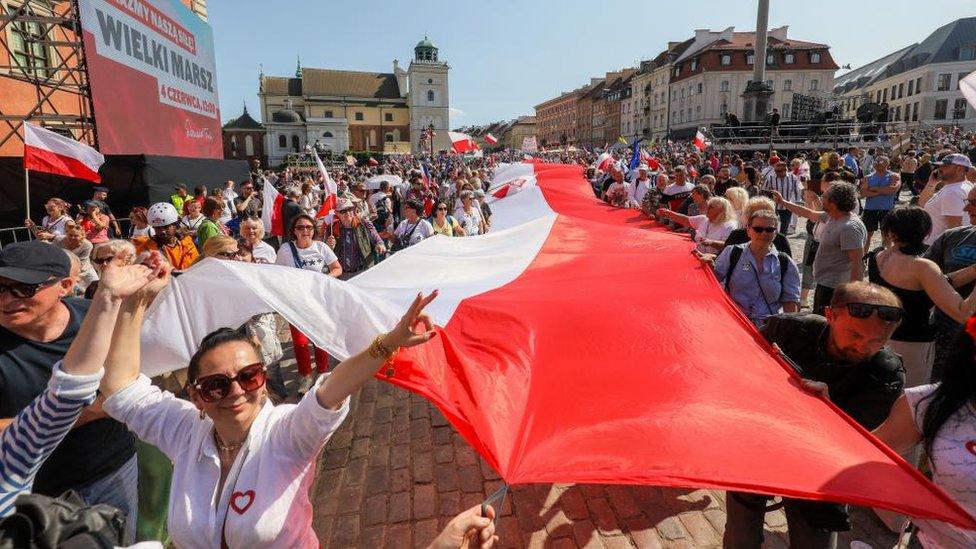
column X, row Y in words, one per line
column 38, row 321
column 100, row 195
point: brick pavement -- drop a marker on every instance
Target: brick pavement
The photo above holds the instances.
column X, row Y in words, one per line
column 396, row 472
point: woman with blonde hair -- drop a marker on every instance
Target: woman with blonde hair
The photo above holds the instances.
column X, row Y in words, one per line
column 252, row 230
column 220, row 247
column 711, row 229
column 73, row 240
column 741, row 235
column 53, row 223
column 738, row 197
column 116, row 252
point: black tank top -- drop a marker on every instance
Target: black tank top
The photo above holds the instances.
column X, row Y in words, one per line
column 916, row 326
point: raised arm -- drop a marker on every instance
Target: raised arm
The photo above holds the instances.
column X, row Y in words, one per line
column 802, row 211
column 678, row 218
column 942, row 293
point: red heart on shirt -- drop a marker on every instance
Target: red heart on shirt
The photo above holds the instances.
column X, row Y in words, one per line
column 241, row 508
column 971, row 446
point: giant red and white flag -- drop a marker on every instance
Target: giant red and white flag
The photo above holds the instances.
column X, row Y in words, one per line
column 274, row 223
column 564, row 354
column 461, row 142
column 50, row 152
column 331, row 197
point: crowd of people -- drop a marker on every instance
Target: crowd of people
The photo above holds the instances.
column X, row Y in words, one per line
column 885, row 330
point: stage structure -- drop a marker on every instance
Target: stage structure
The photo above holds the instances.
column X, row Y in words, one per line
column 43, row 77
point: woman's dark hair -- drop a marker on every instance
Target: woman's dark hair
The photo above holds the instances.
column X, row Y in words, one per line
column 415, row 206
column 958, row 388
column 299, row 217
column 215, row 339
column 210, row 206
column 751, row 175
column 909, row 225
column 438, row 204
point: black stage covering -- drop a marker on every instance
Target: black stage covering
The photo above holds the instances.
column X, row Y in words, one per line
column 131, row 179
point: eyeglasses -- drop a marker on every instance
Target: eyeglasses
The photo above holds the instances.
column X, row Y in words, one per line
column 444, row 209
column 304, row 228
column 102, row 260
column 764, row 229
column 215, row 387
column 227, row 255
column 24, row 291
column 885, row 312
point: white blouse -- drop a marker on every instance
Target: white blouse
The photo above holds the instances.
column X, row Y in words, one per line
column 264, row 502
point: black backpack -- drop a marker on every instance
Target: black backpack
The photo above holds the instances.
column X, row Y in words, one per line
column 67, row 522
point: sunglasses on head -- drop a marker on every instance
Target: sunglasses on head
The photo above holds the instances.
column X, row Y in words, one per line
column 102, row 260
column 215, row 387
column 763, row 229
column 885, row 312
column 24, row 291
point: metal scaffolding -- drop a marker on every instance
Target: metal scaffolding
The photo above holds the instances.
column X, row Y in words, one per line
column 43, row 44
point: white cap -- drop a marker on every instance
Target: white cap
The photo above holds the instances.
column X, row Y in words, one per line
column 162, row 214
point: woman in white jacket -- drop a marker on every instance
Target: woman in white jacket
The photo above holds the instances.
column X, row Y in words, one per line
column 242, row 466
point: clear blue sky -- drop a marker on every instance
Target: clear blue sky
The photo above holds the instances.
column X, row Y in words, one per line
column 507, row 56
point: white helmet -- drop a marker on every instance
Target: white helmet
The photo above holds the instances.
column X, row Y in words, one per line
column 161, row 214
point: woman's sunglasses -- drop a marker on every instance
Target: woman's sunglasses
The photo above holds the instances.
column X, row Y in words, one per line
column 227, row 255
column 885, row 312
column 764, row 229
column 215, row 387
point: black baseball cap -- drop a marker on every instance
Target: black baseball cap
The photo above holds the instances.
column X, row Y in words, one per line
column 33, row 262
column 100, row 189
column 180, row 187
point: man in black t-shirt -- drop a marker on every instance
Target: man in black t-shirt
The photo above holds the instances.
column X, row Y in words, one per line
column 38, row 322
column 846, row 352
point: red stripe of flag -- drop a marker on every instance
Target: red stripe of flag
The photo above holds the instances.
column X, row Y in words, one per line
column 41, row 160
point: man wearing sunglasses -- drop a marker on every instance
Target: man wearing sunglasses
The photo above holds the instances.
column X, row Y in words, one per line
column 944, row 196
column 38, row 322
column 845, row 351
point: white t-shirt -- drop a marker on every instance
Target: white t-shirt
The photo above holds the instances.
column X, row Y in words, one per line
column 145, row 231
column 471, row 223
column 55, row 226
column 423, row 230
column 949, row 201
column 953, row 464
column 317, row 257
column 263, row 251
column 706, row 230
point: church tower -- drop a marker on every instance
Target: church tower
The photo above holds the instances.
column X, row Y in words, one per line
column 428, row 97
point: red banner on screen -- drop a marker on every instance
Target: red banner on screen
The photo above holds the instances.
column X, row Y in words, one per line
column 152, row 73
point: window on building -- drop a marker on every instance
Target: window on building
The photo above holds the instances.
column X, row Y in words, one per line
column 233, row 146
column 911, row 87
column 725, row 59
column 959, row 80
column 769, row 83
column 750, row 58
column 724, row 86
column 901, row 90
column 898, row 113
column 770, row 59
column 388, row 117
column 295, row 143
column 701, row 87
column 786, row 110
column 327, row 135
column 967, row 53
column 814, row 57
column 894, row 92
column 677, row 70
column 282, row 142
column 248, row 145
column 918, row 85
column 724, row 109
column 787, row 85
column 430, row 96
column 29, row 56
column 430, row 80
column 388, row 137
column 959, row 109
column 915, row 113
column 698, row 112
column 941, row 106
column 814, row 85
column 328, row 114
column 694, row 65
column 359, row 116
column 884, row 95
column 943, row 82
column 789, row 58
column 682, row 93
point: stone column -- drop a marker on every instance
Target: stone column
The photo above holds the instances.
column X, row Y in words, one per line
column 756, row 97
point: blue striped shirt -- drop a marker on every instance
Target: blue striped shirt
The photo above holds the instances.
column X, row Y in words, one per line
column 38, row 429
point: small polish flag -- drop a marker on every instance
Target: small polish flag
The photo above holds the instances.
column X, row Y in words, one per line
column 373, row 162
column 50, row 152
column 651, row 162
column 604, row 161
column 490, row 139
column 332, row 198
column 700, row 142
column 274, row 223
column 461, row 142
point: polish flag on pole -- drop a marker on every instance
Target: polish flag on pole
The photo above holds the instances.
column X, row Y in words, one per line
column 651, row 162
column 700, row 142
column 332, row 198
column 274, row 224
column 490, row 139
column 515, row 335
column 604, row 161
column 461, row 142
column 50, row 152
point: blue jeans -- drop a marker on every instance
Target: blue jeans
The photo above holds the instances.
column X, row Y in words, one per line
column 120, row 490
column 785, row 216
